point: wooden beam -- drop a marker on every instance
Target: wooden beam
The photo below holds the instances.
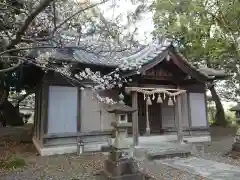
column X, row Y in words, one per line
column 135, row 118
column 45, row 98
column 35, row 114
column 79, row 110
column 205, row 98
column 189, row 111
column 179, row 123
column 44, row 110
column 147, row 121
column 148, row 88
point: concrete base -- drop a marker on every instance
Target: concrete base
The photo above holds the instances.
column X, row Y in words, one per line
column 96, row 146
column 162, row 150
column 167, row 138
column 64, row 149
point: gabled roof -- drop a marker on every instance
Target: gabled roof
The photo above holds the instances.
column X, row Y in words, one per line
column 165, row 52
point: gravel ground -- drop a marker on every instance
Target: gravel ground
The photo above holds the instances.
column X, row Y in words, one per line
column 67, row 167
column 219, row 150
column 70, row 167
column 62, row 167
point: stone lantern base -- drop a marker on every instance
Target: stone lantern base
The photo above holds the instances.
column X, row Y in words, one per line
column 123, row 169
column 236, row 144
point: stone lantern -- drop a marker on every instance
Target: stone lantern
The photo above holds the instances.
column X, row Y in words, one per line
column 118, row 165
column 236, row 145
column 120, row 126
column 236, row 109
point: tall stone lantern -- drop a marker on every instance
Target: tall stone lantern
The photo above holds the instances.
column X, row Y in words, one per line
column 236, row 145
column 118, row 165
column 120, row 126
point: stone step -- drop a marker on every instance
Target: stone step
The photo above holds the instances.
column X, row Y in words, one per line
column 168, row 154
column 163, row 150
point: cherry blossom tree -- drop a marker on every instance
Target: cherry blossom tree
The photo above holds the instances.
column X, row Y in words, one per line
column 25, row 24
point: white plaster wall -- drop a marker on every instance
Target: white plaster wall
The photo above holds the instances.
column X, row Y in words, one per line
column 198, row 109
column 93, row 116
column 62, row 109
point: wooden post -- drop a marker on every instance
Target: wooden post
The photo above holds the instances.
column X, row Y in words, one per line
column 135, row 118
column 79, row 94
column 147, row 121
column 179, row 123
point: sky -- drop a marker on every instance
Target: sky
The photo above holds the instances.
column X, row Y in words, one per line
column 124, row 7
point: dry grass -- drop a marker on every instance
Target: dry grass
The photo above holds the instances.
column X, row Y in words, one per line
column 13, row 151
column 12, row 163
column 19, row 160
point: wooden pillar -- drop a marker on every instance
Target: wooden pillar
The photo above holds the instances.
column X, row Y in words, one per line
column 135, row 118
column 179, row 120
column 79, row 110
column 147, row 121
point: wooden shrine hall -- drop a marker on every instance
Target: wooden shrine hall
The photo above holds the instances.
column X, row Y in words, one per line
column 167, row 91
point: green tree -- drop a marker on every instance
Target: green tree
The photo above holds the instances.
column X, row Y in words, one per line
column 206, row 33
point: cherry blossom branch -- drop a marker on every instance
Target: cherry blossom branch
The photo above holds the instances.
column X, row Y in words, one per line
column 28, row 21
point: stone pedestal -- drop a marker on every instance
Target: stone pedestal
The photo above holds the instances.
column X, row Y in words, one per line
column 236, row 144
column 124, row 169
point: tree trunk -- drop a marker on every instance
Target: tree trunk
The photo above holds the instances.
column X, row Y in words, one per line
column 10, row 114
column 220, row 119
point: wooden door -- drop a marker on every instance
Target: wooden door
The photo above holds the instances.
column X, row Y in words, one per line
column 155, row 117
column 154, row 112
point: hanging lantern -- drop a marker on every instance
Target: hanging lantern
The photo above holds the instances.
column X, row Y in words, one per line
column 170, row 101
column 159, row 99
column 149, row 102
column 168, row 57
column 174, row 99
column 164, row 96
column 153, row 97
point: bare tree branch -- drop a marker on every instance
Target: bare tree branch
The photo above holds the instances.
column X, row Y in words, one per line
column 11, row 68
column 76, row 13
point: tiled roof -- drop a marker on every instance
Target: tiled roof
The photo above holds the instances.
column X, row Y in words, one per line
column 103, row 55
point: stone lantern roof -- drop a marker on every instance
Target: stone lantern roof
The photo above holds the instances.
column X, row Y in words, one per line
column 236, row 108
column 119, row 108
